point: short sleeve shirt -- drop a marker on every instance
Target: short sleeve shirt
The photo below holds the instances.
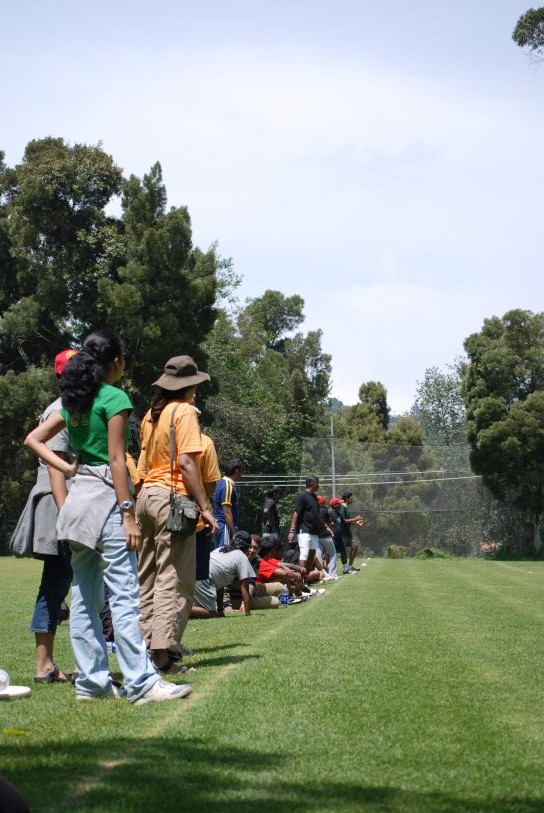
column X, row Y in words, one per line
column 346, row 529
column 89, row 431
column 307, row 509
column 228, row 567
column 154, row 461
column 266, row 570
column 225, row 494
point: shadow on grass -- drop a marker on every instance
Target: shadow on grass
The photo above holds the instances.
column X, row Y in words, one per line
column 224, row 660
column 217, row 647
column 177, row 775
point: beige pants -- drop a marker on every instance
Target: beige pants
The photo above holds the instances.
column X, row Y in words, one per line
column 166, row 570
column 263, row 596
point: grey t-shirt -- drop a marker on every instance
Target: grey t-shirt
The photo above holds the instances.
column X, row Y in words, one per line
column 227, row 567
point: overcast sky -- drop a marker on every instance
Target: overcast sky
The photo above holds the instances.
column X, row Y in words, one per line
column 382, row 159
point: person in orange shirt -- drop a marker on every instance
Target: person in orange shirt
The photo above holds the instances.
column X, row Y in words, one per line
column 167, row 560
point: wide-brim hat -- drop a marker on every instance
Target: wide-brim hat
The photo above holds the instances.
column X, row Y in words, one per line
column 180, row 372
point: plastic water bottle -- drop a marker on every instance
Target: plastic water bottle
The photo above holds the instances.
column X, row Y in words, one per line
column 110, row 646
column 284, row 598
column 4, row 680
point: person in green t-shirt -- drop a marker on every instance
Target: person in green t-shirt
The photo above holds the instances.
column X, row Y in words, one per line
column 351, row 544
column 98, row 520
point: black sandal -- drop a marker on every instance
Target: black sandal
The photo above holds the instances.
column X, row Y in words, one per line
column 166, row 667
column 53, row 676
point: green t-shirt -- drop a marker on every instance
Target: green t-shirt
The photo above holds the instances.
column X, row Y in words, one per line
column 89, row 432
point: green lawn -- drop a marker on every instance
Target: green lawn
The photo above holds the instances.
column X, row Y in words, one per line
column 412, row 687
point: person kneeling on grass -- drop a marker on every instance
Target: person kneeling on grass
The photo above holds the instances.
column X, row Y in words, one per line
column 227, row 564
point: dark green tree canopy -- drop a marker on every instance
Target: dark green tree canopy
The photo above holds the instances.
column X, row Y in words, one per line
column 504, row 395
column 67, row 267
column 529, row 30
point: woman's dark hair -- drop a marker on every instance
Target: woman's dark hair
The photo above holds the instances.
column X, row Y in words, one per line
column 162, row 398
column 240, row 541
column 84, row 373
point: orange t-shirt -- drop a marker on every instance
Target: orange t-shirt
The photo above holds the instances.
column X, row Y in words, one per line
column 209, row 468
column 154, row 460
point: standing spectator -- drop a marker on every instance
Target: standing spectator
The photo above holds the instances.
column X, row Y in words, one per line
column 336, row 519
column 98, row 518
column 36, row 531
column 326, row 539
column 225, row 503
column 271, row 522
column 167, row 560
column 305, row 523
column 351, row 545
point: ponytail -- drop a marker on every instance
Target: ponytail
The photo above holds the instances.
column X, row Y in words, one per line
column 85, row 372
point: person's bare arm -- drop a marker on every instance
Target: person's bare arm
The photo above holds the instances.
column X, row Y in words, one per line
column 190, row 471
column 246, row 597
column 293, row 526
column 117, row 461
column 229, row 519
column 58, row 484
column 36, row 442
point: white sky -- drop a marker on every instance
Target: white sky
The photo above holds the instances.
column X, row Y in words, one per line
column 382, row 159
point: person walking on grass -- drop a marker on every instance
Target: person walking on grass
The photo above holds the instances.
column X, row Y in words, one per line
column 99, row 521
column 36, row 532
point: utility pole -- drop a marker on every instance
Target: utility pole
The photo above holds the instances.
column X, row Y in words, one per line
column 333, row 461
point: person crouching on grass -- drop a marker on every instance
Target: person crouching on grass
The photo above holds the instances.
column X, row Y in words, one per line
column 227, row 565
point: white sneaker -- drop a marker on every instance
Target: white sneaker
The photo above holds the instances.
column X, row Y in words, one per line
column 320, row 592
column 162, row 690
column 113, row 694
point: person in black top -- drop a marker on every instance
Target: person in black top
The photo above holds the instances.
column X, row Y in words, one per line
column 305, row 523
column 271, row 522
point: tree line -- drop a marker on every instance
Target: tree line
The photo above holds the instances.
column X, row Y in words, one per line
column 68, row 264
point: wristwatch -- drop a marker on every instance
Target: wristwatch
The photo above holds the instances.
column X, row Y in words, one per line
column 126, row 505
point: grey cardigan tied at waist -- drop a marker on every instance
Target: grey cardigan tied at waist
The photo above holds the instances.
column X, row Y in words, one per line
column 90, row 501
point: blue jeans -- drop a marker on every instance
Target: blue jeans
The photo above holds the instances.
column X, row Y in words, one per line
column 113, row 564
column 54, row 586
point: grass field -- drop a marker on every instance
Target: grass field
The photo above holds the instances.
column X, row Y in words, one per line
column 412, row 687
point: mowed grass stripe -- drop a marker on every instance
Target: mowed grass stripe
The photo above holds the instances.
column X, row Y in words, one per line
column 397, row 691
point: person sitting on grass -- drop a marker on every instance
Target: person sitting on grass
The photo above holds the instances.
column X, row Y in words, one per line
column 291, row 558
column 227, row 564
column 263, row 596
column 271, row 569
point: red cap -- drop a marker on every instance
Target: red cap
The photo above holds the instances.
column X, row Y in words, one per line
column 62, row 359
column 335, row 501
column 321, row 500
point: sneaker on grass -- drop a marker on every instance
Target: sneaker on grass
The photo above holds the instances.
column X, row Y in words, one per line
column 294, row 600
column 116, row 693
column 162, row 690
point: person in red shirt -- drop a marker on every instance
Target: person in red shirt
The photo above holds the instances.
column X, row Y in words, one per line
column 271, row 569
